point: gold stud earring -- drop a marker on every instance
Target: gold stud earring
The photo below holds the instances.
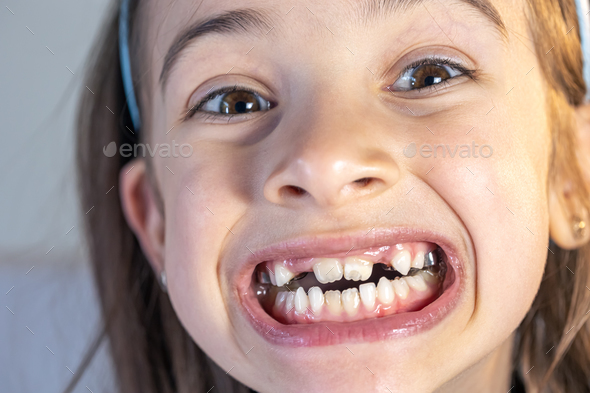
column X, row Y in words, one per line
column 579, row 227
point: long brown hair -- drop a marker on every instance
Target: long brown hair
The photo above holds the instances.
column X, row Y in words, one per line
column 151, row 350
column 552, row 349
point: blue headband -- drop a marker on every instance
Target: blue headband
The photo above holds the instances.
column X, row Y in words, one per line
column 126, row 64
column 582, row 8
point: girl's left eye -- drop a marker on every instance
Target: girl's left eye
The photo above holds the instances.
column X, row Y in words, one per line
column 234, row 102
column 424, row 76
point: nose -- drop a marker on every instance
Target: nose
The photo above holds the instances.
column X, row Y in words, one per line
column 331, row 161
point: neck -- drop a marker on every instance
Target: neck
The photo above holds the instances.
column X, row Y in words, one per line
column 491, row 374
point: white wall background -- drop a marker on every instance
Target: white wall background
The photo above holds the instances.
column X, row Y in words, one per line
column 48, row 308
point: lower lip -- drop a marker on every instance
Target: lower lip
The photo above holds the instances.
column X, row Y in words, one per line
column 367, row 330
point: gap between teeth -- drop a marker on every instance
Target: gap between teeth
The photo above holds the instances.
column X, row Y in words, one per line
column 327, row 270
column 350, row 300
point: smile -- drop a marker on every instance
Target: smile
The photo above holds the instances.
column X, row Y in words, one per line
column 352, row 288
column 377, row 282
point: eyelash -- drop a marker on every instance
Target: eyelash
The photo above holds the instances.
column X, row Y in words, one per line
column 211, row 115
column 433, row 60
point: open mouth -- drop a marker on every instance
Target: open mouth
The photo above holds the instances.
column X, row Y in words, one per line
column 330, row 290
column 369, row 284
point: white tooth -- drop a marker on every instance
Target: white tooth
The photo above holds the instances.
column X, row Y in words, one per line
column 416, row 282
column 282, row 275
column 401, row 287
column 333, row 302
column 327, row 270
column 290, row 302
column 401, row 262
column 428, row 276
column 316, row 299
column 301, row 301
column 356, row 269
column 351, row 301
column 385, row 291
column 280, row 299
column 368, row 295
column 418, row 261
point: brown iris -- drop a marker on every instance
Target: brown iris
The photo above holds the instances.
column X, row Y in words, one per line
column 428, row 75
column 237, row 102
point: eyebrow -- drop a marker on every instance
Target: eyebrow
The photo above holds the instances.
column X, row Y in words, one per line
column 373, row 9
column 246, row 21
column 257, row 22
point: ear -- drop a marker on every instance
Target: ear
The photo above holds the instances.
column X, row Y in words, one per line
column 142, row 212
column 569, row 215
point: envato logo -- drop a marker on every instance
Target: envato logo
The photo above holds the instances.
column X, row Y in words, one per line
column 462, row 151
column 164, row 150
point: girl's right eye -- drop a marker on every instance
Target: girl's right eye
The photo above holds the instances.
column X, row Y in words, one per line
column 424, row 76
column 428, row 73
column 236, row 101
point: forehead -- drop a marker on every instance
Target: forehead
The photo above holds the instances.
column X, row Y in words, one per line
column 173, row 25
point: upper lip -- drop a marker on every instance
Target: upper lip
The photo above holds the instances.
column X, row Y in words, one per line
column 329, row 244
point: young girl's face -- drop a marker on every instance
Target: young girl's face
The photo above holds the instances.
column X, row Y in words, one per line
column 352, row 140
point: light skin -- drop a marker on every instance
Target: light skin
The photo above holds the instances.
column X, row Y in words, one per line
column 334, row 122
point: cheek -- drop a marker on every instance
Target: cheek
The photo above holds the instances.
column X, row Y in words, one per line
column 502, row 201
column 200, row 211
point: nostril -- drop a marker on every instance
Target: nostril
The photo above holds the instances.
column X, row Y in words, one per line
column 293, row 191
column 364, row 182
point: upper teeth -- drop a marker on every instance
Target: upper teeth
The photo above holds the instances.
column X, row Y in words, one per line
column 418, row 261
column 402, row 262
column 282, row 275
column 327, row 270
column 430, row 259
column 357, row 269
